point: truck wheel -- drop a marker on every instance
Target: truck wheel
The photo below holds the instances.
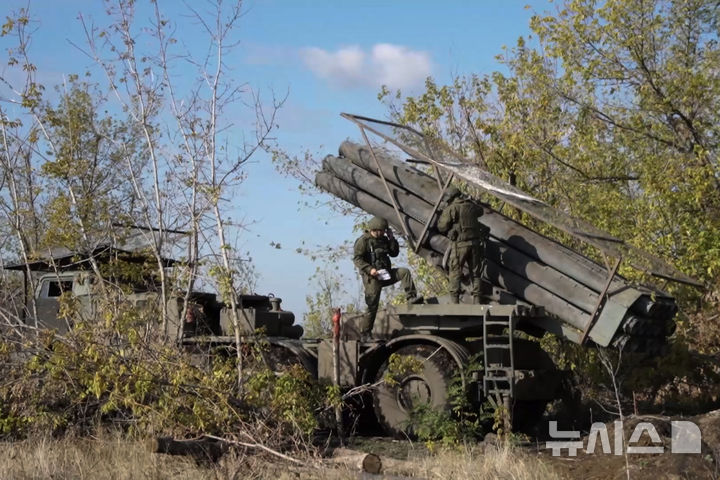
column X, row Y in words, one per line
column 394, row 402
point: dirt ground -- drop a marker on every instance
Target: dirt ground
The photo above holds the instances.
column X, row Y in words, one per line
column 640, row 466
column 115, row 457
column 665, row 465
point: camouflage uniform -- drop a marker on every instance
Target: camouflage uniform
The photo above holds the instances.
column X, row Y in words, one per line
column 468, row 235
column 370, row 252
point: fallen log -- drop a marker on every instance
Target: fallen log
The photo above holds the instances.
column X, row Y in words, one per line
column 365, row 462
column 395, row 466
column 200, row 448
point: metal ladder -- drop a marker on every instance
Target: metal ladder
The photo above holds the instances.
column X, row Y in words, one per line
column 499, row 372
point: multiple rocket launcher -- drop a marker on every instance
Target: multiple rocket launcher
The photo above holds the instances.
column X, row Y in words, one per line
column 532, row 267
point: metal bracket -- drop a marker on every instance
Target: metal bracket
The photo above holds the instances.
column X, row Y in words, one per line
column 601, row 302
column 415, row 244
column 443, row 188
column 387, row 189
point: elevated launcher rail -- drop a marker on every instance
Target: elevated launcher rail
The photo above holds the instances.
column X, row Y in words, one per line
column 584, row 300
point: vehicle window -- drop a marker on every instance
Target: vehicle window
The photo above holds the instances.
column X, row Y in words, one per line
column 56, row 288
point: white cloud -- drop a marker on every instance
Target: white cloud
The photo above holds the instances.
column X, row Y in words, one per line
column 385, row 64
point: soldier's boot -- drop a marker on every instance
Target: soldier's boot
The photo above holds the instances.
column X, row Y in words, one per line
column 366, row 324
column 454, row 298
column 481, row 299
column 477, row 291
column 414, row 299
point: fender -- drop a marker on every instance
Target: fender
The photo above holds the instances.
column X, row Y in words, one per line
column 308, row 361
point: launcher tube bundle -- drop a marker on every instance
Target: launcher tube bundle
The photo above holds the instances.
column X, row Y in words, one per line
column 532, row 267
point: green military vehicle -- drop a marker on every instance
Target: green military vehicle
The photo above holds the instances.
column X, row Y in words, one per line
column 534, row 285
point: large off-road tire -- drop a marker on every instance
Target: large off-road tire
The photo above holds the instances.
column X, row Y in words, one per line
column 394, row 402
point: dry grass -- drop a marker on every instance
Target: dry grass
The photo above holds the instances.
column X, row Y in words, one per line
column 118, row 459
column 90, row 459
column 494, row 462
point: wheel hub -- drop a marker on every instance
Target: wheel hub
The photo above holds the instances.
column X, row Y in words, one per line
column 413, row 391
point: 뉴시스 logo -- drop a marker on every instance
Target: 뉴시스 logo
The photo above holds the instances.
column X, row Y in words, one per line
column 685, row 438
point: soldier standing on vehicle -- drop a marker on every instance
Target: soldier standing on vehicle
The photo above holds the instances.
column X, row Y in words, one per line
column 371, row 255
column 461, row 219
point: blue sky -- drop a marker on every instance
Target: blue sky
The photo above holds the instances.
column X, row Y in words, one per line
column 330, row 56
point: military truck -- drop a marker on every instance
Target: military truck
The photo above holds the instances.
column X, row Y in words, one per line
column 533, row 284
column 61, row 271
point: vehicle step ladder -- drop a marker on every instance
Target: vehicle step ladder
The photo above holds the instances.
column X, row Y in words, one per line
column 498, row 360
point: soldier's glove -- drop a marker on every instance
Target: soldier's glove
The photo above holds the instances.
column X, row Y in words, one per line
column 389, row 233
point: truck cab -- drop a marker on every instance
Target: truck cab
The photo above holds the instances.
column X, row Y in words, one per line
column 49, row 290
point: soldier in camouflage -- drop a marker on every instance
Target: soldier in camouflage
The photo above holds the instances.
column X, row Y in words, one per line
column 371, row 256
column 461, row 222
